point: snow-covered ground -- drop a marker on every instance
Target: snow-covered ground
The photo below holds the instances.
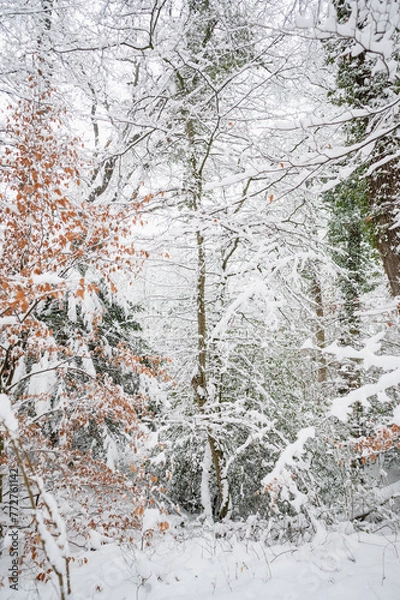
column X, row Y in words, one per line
column 333, row 566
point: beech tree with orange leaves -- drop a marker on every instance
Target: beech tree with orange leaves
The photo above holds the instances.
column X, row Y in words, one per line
column 80, row 430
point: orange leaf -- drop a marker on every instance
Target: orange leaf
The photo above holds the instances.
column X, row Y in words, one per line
column 20, row 298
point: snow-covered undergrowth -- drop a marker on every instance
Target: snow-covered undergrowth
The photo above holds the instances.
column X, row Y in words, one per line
column 341, row 565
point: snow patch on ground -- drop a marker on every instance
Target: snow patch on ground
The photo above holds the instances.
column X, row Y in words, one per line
column 356, row 566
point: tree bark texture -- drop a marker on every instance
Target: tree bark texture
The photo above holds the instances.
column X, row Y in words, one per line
column 384, row 196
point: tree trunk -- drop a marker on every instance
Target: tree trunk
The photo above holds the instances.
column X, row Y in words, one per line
column 320, row 333
column 384, row 190
column 199, row 383
column 201, row 378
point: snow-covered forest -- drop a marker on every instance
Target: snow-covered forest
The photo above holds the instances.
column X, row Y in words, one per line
column 199, row 299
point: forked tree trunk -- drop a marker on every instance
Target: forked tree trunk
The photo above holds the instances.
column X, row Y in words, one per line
column 197, row 40
column 199, row 383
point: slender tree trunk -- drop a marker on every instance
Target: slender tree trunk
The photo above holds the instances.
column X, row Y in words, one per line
column 320, row 333
column 201, row 379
